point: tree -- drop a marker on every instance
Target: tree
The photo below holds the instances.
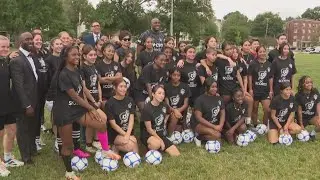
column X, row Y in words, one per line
column 312, row 13
column 267, row 24
column 236, row 27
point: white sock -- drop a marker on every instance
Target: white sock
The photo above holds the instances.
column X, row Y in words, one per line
column 7, row 156
column 313, row 133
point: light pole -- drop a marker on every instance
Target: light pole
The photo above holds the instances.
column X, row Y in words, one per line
column 171, row 22
column 267, row 27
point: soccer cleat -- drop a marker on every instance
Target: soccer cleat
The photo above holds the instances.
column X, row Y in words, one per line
column 110, row 154
column 4, row 172
column 197, row 142
column 91, row 149
column 39, row 148
column 96, row 144
column 72, row 176
column 80, row 153
column 312, row 137
column 13, row 163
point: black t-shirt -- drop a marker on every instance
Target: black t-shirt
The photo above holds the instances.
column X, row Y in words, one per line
column 190, row 76
column 202, row 55
column 122, row 52
column 90, row 76
column 282, row 71
column 120, row 111
column 276, row 53
column 170, row 65
column 234, row 114
column 145, row 58
column 248, row 58
column 203, row 73
column 151, row 76
column 283, row 108
column 129, row 75
column 155, row 114
column 158, row 39
column 53, row 65
column 177, row 94
column 227, row 75
column 175, row 56
column 210, row 106
column 243, row 68
column 107, row 70
column 6, row 98
column 65, row 110
column 308, row 103
column 261, row 73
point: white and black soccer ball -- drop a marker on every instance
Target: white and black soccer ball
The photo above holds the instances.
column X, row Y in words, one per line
column 285, row 139
column 213, row 146
column 98, row 157
column 109, row 164
column 261, row 129
column 79, row 164
column 303, row 136
column 252, row 136
column 243, row 140
column 176, row 138
column 131, row 159
column 153, row 157
column 187, row 135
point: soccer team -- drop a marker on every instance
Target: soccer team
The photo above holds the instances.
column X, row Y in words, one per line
column 95, row 87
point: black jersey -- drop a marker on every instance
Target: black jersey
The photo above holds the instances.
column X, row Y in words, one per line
column 145, row 58
column 177, row 94
column 227, row 75
column 248, row 58
column 190, row 76
column 283, row 107
column 234, row 114
column 158, row 39
column 308, row 103
column 90, row 76
column 6, row 103
column 275, row 53
column 214, row 72
column 261, row 73
column 243, row 68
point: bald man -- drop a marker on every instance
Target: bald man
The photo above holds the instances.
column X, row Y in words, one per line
column 155, row 33
column 24, row 88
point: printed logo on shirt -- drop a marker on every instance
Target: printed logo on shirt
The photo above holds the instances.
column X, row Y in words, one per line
column 268, row 69
column 115, row 68
column 174, row 58
column 159, row 120
column 309, row 105
column 237, row 118
column 219, row 102
column 214, row 76
column 315, row 97
column 127, row 81
column 291, row 105
column 174, row 100
column 228, row 69
column 182, row 91
column 93, row 80
column 262, row 75
column 43, row 68
column 164, row 109
column 124, row 117
column 243, row 111
column 282, row 113
column 79, row 89
column 215, row 111
column 192, row 76
column 108, row 74
column 284, row 72
column 240, row 69
column 130, row 105
column 290, row 65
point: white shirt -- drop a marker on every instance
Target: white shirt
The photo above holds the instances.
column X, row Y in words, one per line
column 96, row 37
column 26, row 53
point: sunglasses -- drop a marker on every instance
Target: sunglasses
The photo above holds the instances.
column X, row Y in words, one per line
column 126, row 39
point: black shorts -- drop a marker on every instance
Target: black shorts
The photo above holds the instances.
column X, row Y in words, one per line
column 306, row 121
column 112, row 134
column 7, row 119
column 139, row 96
column 272, row 125
column 260, row 97
column 144, row 140
column 227, row 92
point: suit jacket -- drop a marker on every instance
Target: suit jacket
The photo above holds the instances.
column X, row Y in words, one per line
column 24, row 83
column 89, row 39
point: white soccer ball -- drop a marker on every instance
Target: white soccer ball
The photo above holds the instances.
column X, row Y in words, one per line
column 213, row 146
column 131, row 159
column 243, row 140
column 98, row 157
column 176, row 137
column 153, row 157
column 79, row 164
column 285, row 139
column 109, row 164
column 303, row 136
column 261, row 129
column 187, row 135
column 252, row 136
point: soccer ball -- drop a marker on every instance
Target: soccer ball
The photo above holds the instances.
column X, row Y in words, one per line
column 109, row 164
column 98, row 157
column 176, row 137
column 187, row 136
column 285, row 139
column 79, row 164
column 213, row 146
column 261, row 129
column 252, row 136
column 131, row 159
column 153, row 157
column 303, row 136
column 243, row 140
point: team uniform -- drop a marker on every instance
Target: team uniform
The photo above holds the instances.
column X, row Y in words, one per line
column 248, row 58
column 214, row 72
column 210, row 106
column 145, row 58
column 156, row 115
column 234, row 114
column 283, row 109
column 53, row 63
column 273, row 54
column 90, row 76
column 107, row 70
column 149, row 76
column 261, row 73
column 189, row 75
column 130, row 77
column 308, row 103
column 158, row 39
column 172, row 64
column 120, row 111
column 282, row 71
column 243, row 68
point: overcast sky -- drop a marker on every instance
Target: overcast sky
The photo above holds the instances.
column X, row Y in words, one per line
column 251, row 8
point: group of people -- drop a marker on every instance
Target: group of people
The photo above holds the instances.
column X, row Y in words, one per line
column 93, row 90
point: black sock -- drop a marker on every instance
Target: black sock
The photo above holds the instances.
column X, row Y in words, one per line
column 76, row 135
column 67, row 163
column 59, row 141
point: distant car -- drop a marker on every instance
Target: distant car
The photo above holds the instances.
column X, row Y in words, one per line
column 309, row 49
column 316, row 50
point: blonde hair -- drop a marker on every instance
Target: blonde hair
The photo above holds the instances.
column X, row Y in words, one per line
column 4, row 38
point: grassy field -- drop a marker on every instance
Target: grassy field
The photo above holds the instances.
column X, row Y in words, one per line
column 259, row 160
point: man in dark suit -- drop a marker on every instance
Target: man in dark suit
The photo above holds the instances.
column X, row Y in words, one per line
column 94, row 36
column 24, row 88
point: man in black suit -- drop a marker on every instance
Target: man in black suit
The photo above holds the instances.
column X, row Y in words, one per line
column 94, row 36
column 24, row 88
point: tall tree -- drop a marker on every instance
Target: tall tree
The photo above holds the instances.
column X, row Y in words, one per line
column 312, row 13
column 267, row 24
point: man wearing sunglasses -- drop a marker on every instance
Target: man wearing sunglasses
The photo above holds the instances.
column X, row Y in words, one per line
column 94, row 36
column 155, row 33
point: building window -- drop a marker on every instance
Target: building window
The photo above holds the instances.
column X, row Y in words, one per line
column 303, row 31
column 309, row 25
column 295, row 24
column 304, row 25
column 294, row 37
column 302, row 38
column 309, row 30
column 295, row 30
column 309, row 37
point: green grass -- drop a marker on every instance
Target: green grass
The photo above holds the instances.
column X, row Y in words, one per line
column 259, row 160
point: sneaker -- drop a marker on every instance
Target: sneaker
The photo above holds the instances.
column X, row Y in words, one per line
column 13, row 163
column 97, row 145
column 56, row 147
column 71, row 176
column 39, row 148
column 91, row 149
column 197, row 142
column 111, row 154
column 43, row 128
column 4, row 172
column 80, row 153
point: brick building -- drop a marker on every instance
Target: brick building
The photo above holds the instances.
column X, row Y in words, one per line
column 303, row 32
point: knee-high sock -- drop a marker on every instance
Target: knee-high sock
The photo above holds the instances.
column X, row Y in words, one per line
column 103, row 139
column 76, row 135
